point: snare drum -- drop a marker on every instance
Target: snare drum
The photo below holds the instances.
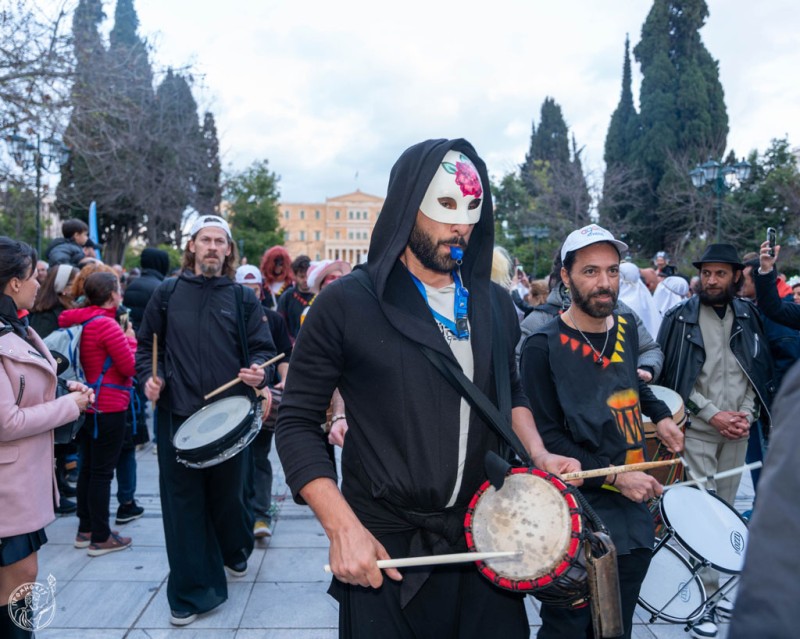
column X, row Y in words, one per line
column 217, row 432
column 711, row 533
column 671, row 590
column 535, row 513
column 706, row 526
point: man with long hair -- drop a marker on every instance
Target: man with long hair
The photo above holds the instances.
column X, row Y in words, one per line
column 207, row 524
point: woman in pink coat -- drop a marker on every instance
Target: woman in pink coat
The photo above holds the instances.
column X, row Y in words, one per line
column 29, row 412
column 107, row 358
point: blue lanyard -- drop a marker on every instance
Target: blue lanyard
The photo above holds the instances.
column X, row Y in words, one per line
column 459, row 328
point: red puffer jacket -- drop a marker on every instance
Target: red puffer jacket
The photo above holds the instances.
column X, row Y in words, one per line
column 100, row 339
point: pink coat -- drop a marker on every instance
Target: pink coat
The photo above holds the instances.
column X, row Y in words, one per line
column 27, row 467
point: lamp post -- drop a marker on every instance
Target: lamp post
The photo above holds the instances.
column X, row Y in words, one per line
column 26, row 154
column 722, row 178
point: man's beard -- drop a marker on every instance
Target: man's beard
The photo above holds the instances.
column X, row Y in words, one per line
column 718, row 298
column 425, row 249
column 589, row 305
column 211, row 269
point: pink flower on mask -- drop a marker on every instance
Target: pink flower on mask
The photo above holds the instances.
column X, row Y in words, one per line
column 466, row 176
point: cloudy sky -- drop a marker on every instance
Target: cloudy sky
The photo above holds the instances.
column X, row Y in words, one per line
column 332, row 92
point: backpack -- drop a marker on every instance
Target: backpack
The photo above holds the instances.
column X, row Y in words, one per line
column 64, row 345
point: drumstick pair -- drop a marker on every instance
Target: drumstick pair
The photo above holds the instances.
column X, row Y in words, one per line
column 236, row 380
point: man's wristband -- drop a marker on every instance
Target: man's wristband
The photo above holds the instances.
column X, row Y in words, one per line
column 336, row 418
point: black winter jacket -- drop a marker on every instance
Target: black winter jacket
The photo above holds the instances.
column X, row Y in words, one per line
column 681, row 341
column 63, row 251
column 199, row 346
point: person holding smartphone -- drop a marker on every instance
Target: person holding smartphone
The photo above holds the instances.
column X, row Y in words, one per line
column 769, row 301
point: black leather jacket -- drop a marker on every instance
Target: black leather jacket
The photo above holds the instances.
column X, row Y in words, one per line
column 681, row 341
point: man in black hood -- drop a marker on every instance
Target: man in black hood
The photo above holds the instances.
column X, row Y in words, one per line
column 155, row 265
column 414, row 452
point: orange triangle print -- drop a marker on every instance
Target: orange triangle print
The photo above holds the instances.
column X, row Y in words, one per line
column 564, row 339
column 574, row 344
column 586, row 350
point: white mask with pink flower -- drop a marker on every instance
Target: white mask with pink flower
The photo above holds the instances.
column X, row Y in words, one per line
column 455, row 193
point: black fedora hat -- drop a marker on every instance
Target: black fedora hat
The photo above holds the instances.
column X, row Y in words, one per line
column 722, row 254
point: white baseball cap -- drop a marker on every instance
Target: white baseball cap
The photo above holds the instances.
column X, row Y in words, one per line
column 248, row 274
column 588, row 235
column 204, row 221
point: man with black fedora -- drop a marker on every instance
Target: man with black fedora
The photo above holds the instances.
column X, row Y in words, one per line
column 716, row 357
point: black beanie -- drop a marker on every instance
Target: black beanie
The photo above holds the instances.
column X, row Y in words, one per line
column 155, row 259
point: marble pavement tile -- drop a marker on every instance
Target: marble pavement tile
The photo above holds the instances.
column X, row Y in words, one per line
column 83, row 633
column 102, row 604
column 227, row 615
column 189, row 632
column 295, row 633
column 63, row 561
column 290, row 605
column 134, row 564
column 298, row 533
column 287, row 565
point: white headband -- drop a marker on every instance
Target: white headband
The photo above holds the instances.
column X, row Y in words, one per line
column 62, row 277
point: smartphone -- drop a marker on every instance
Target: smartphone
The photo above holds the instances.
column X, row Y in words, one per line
column 772, row 237
column 520, row 270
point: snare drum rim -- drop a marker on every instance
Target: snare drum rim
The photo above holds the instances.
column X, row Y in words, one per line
column 575, row 543
column 695, row 553
column 212, row 449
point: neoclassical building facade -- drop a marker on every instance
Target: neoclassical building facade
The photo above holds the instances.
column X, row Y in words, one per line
column 338, row 229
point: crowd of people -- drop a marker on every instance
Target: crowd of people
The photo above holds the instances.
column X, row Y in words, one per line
column 436, row 366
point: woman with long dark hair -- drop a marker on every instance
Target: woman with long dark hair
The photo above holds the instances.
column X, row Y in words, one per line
column 29, row 411
column 107, row 357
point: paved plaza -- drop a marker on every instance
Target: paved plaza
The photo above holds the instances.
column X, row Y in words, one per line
column 283, row 596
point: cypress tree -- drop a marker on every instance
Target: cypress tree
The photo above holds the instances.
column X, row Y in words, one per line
column 624, row 121
column 682, row 118
column 208, row 191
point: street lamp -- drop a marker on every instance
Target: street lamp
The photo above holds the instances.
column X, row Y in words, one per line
column 44, row 154
column 722, row 180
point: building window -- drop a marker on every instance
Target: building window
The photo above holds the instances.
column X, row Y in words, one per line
column 337, row 215
column 286, row 236
column 302, row 236
column 350, row 215
column 336, row 235
column 286, row 215
column 350, row 235
column 316, row 236
column 302, row 215
column 316, row 215
column 366, row 215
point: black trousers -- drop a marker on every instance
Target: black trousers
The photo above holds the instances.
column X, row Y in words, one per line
column 456, row 602
column 98, row 459
column 566, row 623
column 207, row 524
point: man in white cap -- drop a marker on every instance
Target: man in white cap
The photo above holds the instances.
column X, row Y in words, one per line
column 209, row 330
column 580, row 374
column 415, row 449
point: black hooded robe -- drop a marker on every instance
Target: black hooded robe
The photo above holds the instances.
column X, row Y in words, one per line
column 399, row 462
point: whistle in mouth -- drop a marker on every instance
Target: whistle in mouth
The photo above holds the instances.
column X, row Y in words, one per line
column 456, row 252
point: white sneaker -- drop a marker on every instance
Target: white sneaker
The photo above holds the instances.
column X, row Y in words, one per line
column 705, row 628
column 724, row 609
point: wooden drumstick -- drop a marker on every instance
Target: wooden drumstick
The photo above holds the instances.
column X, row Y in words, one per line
column 720, row 475
column 439, row 560
column 616, row 470
column 236, row 380
column 155, row 363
